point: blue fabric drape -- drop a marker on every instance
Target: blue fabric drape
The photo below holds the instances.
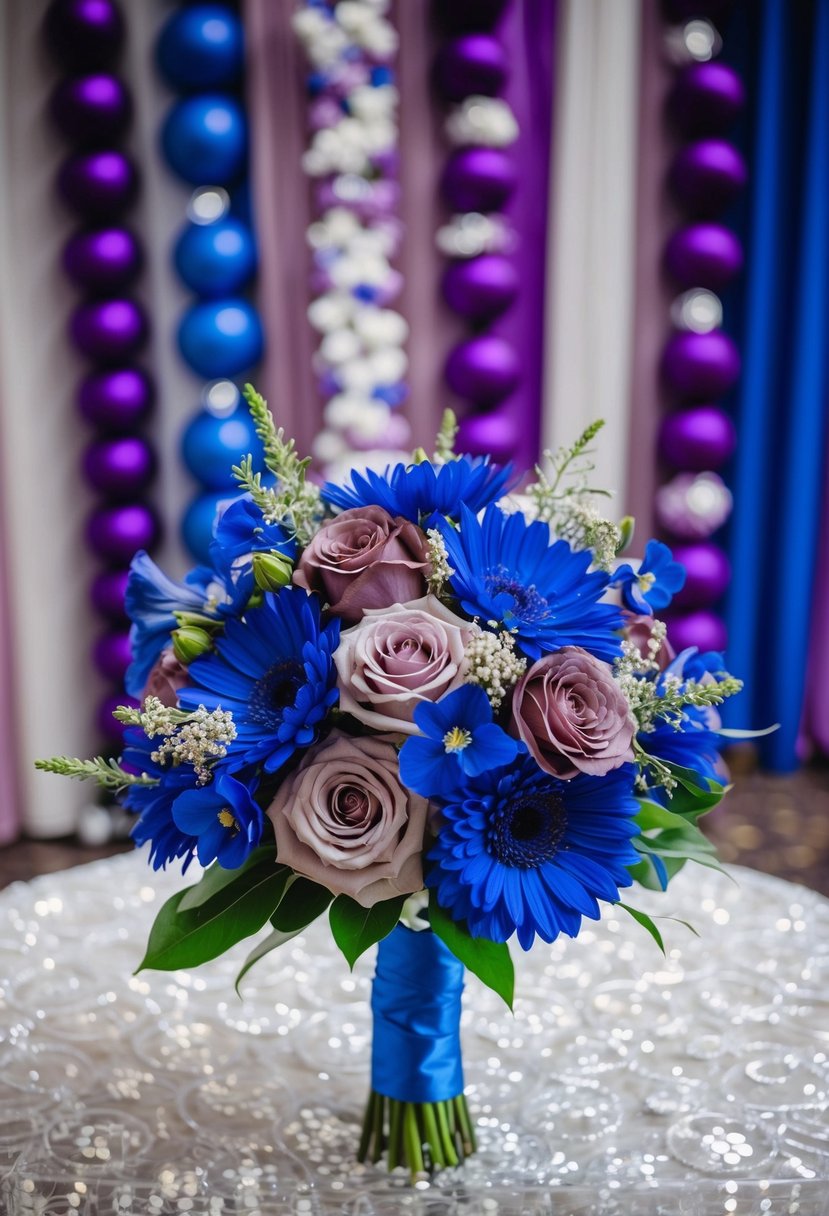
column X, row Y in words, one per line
column 777, row 476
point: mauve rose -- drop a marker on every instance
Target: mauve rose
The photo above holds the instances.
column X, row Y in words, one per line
column 363, row 559
column 638, row 631
column 398, row 656
column 572, row 715
column 344, row 820
column 165, row 679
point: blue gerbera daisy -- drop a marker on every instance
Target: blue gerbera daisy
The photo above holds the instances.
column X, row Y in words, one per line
column 523, row 852
column 274, row 672
column 505, row 570
column 656, row 582
column 154, row 803
column 417, row 491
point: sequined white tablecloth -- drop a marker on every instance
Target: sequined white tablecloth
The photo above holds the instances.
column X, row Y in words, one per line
column 624, row 1083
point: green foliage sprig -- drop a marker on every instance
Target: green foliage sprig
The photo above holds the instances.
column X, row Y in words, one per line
column 108, row 773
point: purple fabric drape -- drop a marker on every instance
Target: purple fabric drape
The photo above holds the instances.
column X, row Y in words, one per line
column 433, row 328
column 527, row 30
column 276, row 104
column 655, row 218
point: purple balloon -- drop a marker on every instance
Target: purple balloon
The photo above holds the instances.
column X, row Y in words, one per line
column 108, row 330
column 112, row 655
column 98, row 185
column 473, row 64
column 107, row 593
column 706, row 98
column 708, row 573
column 480, row 288
column 706, row 175
column 110, row 727
column 104, row 260
column 83, row 34
column 701, row 365
column 700, row 438
column 484, row 370
column 703, row 629
column 116, row 534
column 116, row 400
column 495, row 434
column 478, row 179
column 120, row 467
column 704, row 255
column 91, row 111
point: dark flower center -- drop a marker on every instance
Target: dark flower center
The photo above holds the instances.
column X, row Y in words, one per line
column 274, row 690
column 527, row 831
column 528, row 603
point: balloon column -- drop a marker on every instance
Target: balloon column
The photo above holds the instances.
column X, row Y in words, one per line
column 91, row 108
column 700, row 362
column 480, row 282
column 352, row 158
column 200, row 54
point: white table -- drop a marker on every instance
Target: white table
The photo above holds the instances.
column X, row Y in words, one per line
column 625, row 1083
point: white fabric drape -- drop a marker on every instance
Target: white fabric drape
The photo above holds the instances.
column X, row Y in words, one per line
column 590, row 271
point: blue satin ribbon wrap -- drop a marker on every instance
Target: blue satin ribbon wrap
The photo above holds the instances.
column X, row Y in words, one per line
column 416, row 1003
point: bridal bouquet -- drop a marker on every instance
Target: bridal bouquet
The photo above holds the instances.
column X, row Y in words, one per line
column 446, row 717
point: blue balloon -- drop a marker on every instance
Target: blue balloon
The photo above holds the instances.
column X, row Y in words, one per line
column 219, row 339
column 210, row 446
column 201, row 47
column 215, row 259
column 204, row 139
column 200, row 519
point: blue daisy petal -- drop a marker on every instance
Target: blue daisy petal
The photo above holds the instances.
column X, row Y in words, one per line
column 275, row 673
column 418, row 491
column 506, row 571
column 510, row 856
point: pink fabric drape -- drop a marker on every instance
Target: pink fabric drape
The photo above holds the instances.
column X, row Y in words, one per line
column 9, row 792
column 281, row 203
column 655, row 218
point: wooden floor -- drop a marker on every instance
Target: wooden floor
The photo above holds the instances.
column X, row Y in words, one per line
column 776, row 824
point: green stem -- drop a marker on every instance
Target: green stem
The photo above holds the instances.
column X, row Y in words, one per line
column 379, row 1110
column 393, row 1153
column 465, row 1123
column 368, row 1124
column 449, row 1154
column 411, row 1137
column 432, row 1137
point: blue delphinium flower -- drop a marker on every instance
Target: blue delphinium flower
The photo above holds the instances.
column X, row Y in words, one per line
column 274, row 672
column 459, row 739
column 654, row 584
column 506, row 570
column 519, row 851
column 151, row 600
column 224, row 818
column 154, row 803
column 417, row 491
column 242, row 531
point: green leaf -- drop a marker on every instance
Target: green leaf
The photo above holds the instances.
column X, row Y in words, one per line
column 217, row 878
column 695, row 803
column 490, row 961
column 302, row 902
column 652, row 815
column 186, row 939
column 733, row 733
column 644, row 872
column 267, row 944
column 693, row 781
column 355, row 928
column 645, row 921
